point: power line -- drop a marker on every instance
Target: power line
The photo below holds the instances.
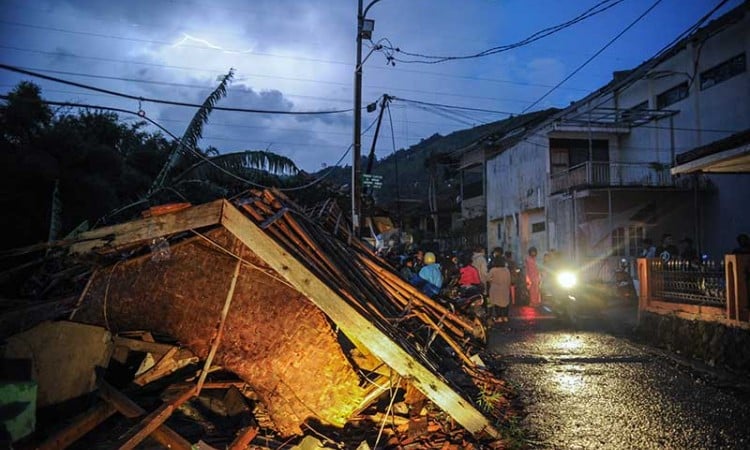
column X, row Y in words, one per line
column 164, row 102
column 169, row 83
column 213, row 123
column 598, row 8
column 591, row 58
column 184, row 147
column 648, row 65
column 253, row 75
column 164, row 43
column 442, row 105
column 421, row 72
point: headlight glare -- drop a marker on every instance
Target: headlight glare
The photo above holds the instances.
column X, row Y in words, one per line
column 567, row 279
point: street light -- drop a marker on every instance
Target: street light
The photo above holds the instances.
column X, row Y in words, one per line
column 365, row 28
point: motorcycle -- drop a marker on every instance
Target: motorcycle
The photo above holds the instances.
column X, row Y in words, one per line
column 559, row 296
column 470, row 303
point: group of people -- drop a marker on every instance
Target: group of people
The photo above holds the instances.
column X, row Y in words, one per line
column 668, row 250
column 472, row 272
column 684, row 249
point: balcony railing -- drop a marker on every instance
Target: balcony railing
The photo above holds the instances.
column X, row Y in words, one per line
column 605, row 174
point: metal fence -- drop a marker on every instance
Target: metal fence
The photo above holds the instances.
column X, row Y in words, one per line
column 691, row 282
column 611, row 174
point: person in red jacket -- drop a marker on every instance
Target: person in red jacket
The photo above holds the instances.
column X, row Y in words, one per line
column 469, row 280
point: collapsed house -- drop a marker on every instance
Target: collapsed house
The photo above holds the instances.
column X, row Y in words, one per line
column 309, row 317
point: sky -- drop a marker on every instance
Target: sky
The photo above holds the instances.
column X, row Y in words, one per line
column 298, row 55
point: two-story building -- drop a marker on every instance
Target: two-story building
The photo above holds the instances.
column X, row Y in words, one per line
column 593, row 180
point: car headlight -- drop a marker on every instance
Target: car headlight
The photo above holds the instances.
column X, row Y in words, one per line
column 567, row 279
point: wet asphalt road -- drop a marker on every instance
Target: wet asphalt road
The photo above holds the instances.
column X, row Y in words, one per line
column 594, row 388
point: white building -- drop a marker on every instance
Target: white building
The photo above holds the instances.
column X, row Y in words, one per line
column 594, row 179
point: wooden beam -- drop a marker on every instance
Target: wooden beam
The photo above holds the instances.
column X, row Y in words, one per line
column 153, row 227
column 142, row 346
column 153, row 421
column 80, row 426
column 128, row 408
column 244, row 438
column 351, row 322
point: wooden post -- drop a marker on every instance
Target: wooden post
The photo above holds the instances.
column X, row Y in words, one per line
column 128, row 408
column 220, row 330
column 352, row 323
column 81, row 425
column 153, row 421
column 736, row 269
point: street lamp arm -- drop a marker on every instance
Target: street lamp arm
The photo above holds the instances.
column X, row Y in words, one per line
column 372, row 3
column 373, row 49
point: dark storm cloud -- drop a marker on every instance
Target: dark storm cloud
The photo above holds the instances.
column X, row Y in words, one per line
column 299, row 54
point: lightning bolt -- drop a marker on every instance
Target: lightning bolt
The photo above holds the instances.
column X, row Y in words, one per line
column 186, row 38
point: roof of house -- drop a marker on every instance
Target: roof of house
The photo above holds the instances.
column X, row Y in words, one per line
column 728, row 155
column 417, row 337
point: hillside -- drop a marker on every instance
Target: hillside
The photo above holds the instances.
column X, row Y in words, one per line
column 412, row 168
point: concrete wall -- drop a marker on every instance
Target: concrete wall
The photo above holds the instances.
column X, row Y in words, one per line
column 713, row 343
column 517, row 181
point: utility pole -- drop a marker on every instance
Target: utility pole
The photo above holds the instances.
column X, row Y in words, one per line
column 364, row 30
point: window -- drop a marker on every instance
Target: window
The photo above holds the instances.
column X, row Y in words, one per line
column 636, row 235
column 628, row 241
column 618, row 242
column 634, row 113
column 576, row 151
column 723, row 71
column 473, row 182
column 537, row 227
column 672, row 95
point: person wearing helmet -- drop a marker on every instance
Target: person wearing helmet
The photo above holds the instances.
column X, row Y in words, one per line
column 432, row 274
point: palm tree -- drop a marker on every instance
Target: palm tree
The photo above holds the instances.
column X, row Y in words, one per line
column 218, row 172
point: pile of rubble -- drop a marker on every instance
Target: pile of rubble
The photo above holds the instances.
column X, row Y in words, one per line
column 276, row 319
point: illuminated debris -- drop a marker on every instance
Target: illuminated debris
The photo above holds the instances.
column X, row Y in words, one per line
column 314, row 322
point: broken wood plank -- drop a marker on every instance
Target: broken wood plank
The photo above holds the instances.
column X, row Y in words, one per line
column 244, row 438
column 153, row 227
column 160, row 210
column 79, row 427
column 128, row 408
column 161, row 367
column 136, row 345
column 151, row 422
column 220, row 330
column 353, row 323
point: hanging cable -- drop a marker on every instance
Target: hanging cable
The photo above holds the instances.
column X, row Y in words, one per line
column 160, row 101
column 193, row 151
column 389, row 51
column 591, row 58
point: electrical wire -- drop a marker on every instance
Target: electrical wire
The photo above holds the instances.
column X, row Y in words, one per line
column 330, row 170
column 219, row 124
column 653, row 61
column 166, row 43
column 592, row 57
column 442, row 105
column 246, row 76
column 197, row 153
column 645, row 67
column 390, row 51
column 255, row 75
column 160, row 101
